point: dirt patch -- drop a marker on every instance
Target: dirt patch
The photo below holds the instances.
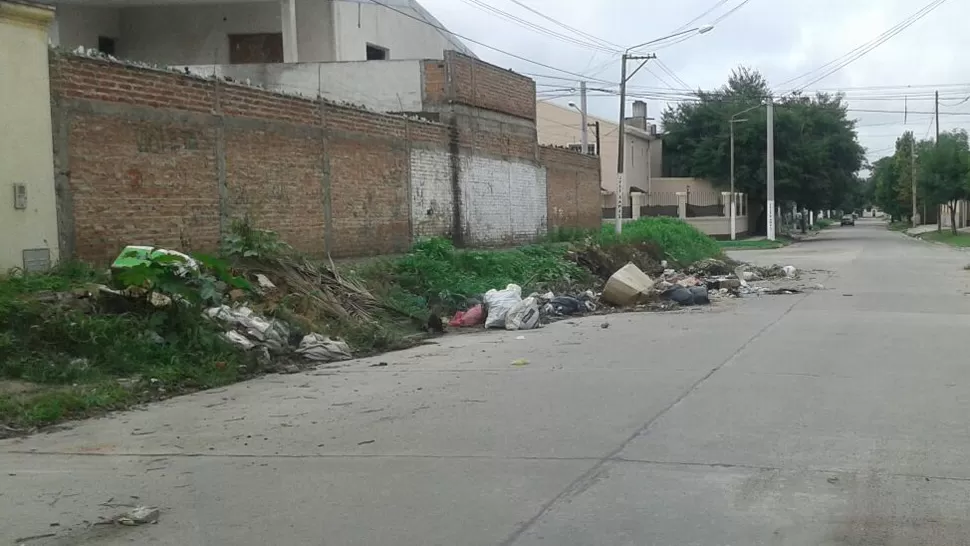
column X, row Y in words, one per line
column 603, row 262
column 9, row 387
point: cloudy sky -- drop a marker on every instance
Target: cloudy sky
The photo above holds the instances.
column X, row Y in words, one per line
column 783, row 39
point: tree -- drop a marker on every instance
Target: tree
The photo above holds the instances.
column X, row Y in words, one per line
column 817, row 154
column 944, row 172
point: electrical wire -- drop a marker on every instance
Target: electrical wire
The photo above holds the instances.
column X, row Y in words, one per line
column 538, row 28
column 730, row 12
column 477, row 42
column 716, row 5
column 841, row 62
column 567, row 27
column 660, row 64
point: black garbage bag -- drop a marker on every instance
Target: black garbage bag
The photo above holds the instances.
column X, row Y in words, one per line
column 680, row 295
column 700, row 294
column 565, row 305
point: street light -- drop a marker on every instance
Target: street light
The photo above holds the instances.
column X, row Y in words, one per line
column 734, row 199
column 620, row 159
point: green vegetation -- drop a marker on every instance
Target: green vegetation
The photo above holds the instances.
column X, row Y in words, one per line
column 73, row 347
column 942, row 173
column 437, row 273
column 947, row 237
column 899, row 226
column 823, row 223
column 66, row 350
column 753, row 244
column 816, row 167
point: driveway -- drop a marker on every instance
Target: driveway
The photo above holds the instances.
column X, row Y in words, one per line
column 834, row 417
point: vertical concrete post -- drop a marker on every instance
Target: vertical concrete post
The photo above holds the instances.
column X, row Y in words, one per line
column 726, row 203
column 682, row 205
column 288, row 18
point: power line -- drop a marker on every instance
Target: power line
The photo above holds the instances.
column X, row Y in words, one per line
column 732, row 10
column 716, row 5
column 537, row 28
column 476, row 42
column 660, row 64
column 567, row 27
column 841, row 62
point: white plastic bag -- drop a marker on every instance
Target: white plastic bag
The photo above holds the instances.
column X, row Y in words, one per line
column 499, row 303
column 524, row 316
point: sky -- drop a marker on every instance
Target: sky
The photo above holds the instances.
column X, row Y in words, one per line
column 782, row 39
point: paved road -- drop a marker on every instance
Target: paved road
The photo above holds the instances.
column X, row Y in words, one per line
column 836, row 417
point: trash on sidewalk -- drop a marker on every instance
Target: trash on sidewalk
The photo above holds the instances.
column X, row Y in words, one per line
column 628, row 286
column 499, row 303
column 139, row 516
column 523, row 316
column 264, row 283
column 790, row 271
column 318, row 348
column 695, row 295
column 520, row 362
column 709, row 267
column 474, row 316
column 270, row 333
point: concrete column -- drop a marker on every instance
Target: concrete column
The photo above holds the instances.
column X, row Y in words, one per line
column 288, row 17
column 726, row 203
column 682, row 205
column 636, row 201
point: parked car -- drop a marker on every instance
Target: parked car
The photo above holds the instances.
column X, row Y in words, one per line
column 848, row 220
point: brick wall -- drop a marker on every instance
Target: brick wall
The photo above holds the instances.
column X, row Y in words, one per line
column 573, row 181
column 145, row 158
column 152, row 157
column 469, row 81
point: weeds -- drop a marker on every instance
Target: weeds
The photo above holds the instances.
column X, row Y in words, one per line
column 73, row 348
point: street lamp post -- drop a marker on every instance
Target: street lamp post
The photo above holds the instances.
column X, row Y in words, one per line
column 620, row 157
column 734, row 199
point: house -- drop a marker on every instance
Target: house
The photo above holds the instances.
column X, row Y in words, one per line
column 28, row 209
column 206, row 32
column 560, row 126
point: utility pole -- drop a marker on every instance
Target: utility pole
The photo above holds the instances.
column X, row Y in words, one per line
column 770, row 167
column 620, row 156
column 937, row 117
column 584, row 134
column 912, row 171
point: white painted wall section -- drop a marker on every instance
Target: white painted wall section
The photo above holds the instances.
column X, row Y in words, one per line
column 432, row 202
column 186, row 34
column 314, row 30
column 362, row 23
column 384, row 86
column 502, row 202
column 81, row 25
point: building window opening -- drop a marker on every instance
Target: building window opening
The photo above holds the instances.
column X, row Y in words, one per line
column 106, row 45
column 376, row 53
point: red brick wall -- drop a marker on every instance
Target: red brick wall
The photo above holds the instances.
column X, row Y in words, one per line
column 573, row 188
column 142, row 153
column 466, row 80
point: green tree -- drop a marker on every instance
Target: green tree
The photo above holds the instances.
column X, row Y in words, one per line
column 817, row 154
column 944, row 171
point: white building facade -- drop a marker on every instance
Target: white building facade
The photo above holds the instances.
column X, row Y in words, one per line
column 203, row 32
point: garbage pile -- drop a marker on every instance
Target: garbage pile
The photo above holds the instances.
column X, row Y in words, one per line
column 271, row 338
column 509, row 310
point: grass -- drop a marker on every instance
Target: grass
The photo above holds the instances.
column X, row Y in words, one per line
column 899, row 226
column 959, row 240
column 435, row 273
column 753, row 244
column 675, row 240
column 823, row 223
column 74, row 356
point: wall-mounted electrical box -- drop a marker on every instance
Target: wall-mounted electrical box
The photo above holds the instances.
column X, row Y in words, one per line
column 20, row 196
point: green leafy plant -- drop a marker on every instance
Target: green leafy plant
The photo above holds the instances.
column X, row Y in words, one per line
column 172, row 276
column 246, row 241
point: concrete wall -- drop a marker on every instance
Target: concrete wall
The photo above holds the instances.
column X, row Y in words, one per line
column 697, row 185
column 384, row 86
column 81, row 25
column 361, row 23
column 25, row 141
column 196, row 32
column 719, row 227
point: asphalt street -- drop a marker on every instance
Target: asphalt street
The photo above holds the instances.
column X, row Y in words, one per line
column 834, row 417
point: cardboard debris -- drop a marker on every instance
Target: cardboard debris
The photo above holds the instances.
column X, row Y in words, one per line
column 628, row 286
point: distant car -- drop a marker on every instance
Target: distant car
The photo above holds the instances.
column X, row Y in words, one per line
column 848, row 220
